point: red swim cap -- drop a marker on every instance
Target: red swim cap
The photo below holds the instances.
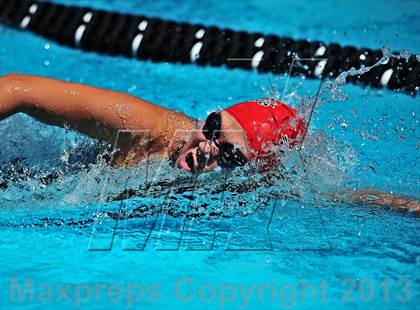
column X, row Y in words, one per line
column 266, row 122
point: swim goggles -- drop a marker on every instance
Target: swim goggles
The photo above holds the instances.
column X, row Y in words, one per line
column 229, row 155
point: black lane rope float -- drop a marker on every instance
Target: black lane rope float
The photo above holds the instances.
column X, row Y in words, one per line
column 168, row 41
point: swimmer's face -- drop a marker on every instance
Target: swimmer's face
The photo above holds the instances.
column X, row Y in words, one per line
column 201, row 154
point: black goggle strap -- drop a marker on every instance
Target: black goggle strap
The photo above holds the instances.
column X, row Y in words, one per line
column 212, row 126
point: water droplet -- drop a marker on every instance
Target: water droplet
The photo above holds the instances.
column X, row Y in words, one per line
column 132, row 88
column 386, row 51
column 406, row 54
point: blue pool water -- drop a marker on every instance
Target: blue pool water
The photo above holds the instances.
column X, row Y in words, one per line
column 81, row 247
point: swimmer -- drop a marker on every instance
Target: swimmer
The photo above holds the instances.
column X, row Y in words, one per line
column 141, row 130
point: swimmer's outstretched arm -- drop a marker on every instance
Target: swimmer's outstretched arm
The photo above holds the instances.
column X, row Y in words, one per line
column 96, row 112
column 377, row 198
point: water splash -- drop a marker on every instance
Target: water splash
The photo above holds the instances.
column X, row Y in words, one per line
column 78, row 173
column 334, row 88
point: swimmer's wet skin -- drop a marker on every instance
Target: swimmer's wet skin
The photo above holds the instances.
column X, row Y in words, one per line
column 229, row 138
